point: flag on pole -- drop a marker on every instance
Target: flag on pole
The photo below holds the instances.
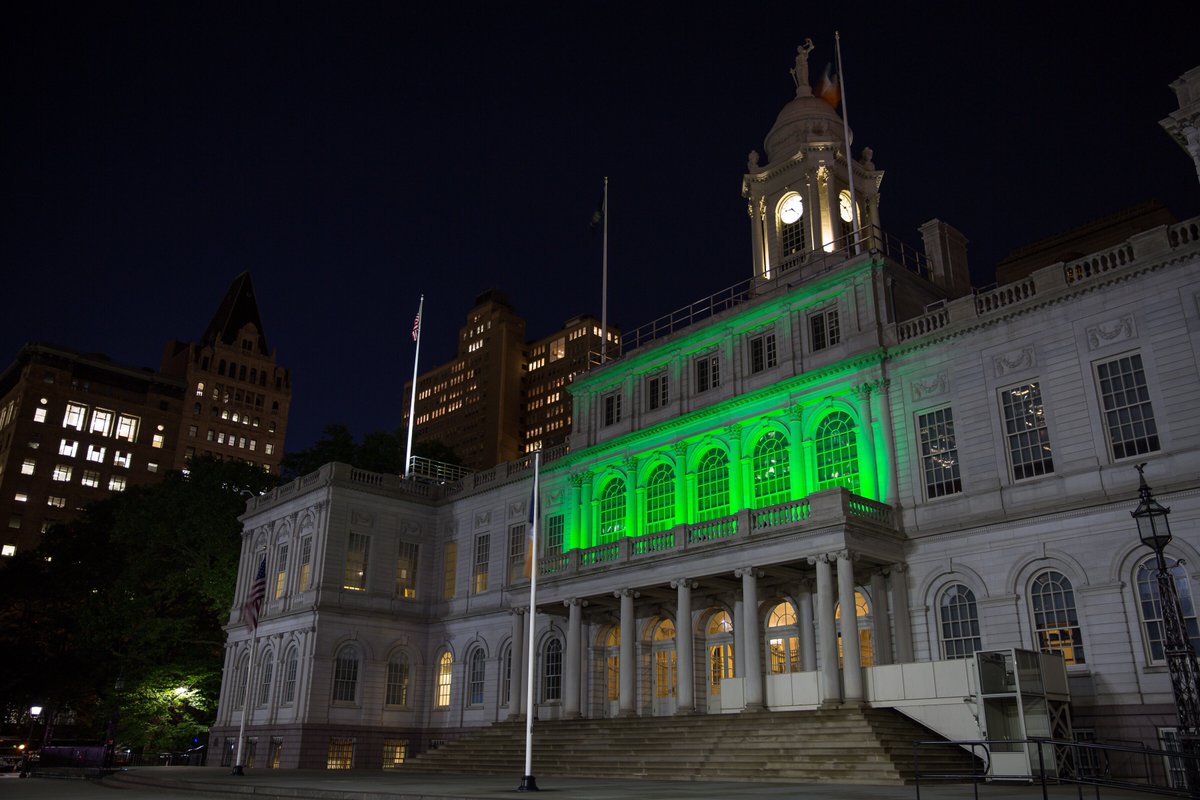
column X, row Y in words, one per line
column 598, row 214
column 258, row 591
column 417, row 325
column 829, row 88
column 530, row 532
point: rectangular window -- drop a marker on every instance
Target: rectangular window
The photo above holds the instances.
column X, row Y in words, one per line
column 1127, row 412
column 1025, row 429
column 395, row 752
column 341, row 753
column 91, row 478
column 305, row 563
column 21, row 497
column 396, row 693
column 95, row 454
column 116, row 484
column 158, row 440
column 553, row 539
column 56, row 502
column 708, row 373
column 192, row 431
column 275, row 752
column 62, row 473
column 28, row 466
column 612, row 408
column 406, row 570
column 657, row 392
column 449, row 570
column 122, row 459
column 939, row 453
column 68, row 448
column 127, row 427
column 517, row 568
column 152, row 467
column 479, row 571
column 823, row 326
column 74, row 417
column 281, row 571
column 357, row 551
column 102, row 422
column 39, row 415
column 1176, row 770
column 269, row 448
column 762, row 352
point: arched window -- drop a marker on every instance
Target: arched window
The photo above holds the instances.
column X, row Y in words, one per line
column 506, row 681
column 772, row 483
column 959, row 618
column 612, row 510
column 291, row 664
column 612, row 648
column 719, row 638
column 660, row 498
column 862, row 612
column 664, row 660
column 396, row 693
column 239, row 691
column 1150, row 605
column 783, row 639
column 1055, row 623
column 445, row 664
column 345, row 675
column 712, row 485
column 475, row 672
column 837, row 452
column 552, row 671
column 266, row 672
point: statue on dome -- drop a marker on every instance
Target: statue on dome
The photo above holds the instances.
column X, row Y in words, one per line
column 752, row 161
column 800, row 71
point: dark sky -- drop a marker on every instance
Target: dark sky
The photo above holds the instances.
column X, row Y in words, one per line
column 353, row 156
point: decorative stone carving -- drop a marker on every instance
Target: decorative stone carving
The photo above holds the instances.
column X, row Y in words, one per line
column 1111, row 332
column 483, row 519
column 361, row 519
column 930, row 386
column 1011, row 362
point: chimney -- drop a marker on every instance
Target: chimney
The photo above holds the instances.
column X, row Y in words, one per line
column 946, row 250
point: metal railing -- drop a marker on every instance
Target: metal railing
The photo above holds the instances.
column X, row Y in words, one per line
column 1065, row 763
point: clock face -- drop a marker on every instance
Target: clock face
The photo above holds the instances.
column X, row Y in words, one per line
column 844, row 203
column 791, row 210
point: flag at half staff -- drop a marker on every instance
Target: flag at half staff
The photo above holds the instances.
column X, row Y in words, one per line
column 254, row 599
column 417, row 325
column 830, row 87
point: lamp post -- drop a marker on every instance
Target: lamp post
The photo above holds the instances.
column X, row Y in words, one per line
column 34, row 713
column 1155, row 532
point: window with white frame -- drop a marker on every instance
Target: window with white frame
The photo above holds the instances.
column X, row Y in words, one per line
column 358, row 551
column 28, row 466
column 345, row 675
column 266, row 672
column 783, row 639
column 517, row 568
column 117, row 483
column 1025, row 429
column 939, row 453
column 479, row 569
column 553, row 540
column 406, row 570
column 127, row 427
column 68, row 448
column 102, row 422
column 660, row 498
column 449, row 570
column 1128, row 416
column 395, row 752
column 771, row 470
column 95, row 453
column 341, row 753
column 122, row 459
column 712, row 485
column 305, row 564
column 1176, row 769
column 552, row 671
column 708, row 372
column 62, row 473
column 1150, row 606
column 74, row 416
column 475, row 675
column 836, row 445
column 281, row 557
column 1055, row 621
column 396, row 689
column 657, row 391
column 444, row 677
column 239, row 686
column 612, row 408
column 506, row 675
column 91, row 478
column 823, row 329
column 762, row 352
column 291, row 667
column 612, row 510
column 958, row 617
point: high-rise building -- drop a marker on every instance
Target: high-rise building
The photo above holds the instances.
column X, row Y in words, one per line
column 75, row 427
column 858, row 483
column 500, row 397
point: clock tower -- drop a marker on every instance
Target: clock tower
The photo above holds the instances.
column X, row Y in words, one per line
column 803, row 201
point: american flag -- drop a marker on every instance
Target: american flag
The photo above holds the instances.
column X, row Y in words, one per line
column 254, row 600
column 417, row 326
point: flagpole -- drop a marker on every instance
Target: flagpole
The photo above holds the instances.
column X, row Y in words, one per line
column 837, row 39
column 250, row 612
column 412, row 403
column 604, row 279
column 237, row 764
column 528, row 784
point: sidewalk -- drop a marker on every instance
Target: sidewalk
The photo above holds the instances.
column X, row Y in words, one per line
column 403, row 785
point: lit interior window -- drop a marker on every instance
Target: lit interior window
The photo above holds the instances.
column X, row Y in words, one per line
column 91, row 478
column 95, row 453
column 158, row 440
column 39, row 415
column 21, row 497
column 127, row 427
column 74, row 416
column 116, row 484
column 27, row 466
column 102, row 422
column 8, row 550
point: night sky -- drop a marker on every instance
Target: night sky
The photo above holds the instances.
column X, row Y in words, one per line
column 353, row 156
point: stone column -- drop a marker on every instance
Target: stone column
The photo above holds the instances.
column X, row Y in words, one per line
column 686, row 681
column 752, row 638
column 757, row 234
column 796, row 450
column 681, row 493
column 892, row 494
column 739, row 642
column 516, row 673
column 882, row 629
column 572, row 526
column 831, row 685
column 628, row 699
column 901, row 615
column 734, row 434
column 804, row 620
column 571, row 676
column 867, row 466
column 631, row 497
column 852, row 679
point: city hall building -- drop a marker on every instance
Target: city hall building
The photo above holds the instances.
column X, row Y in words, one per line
column 834, row 486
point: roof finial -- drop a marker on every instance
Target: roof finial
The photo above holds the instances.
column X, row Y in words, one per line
column 800, row 71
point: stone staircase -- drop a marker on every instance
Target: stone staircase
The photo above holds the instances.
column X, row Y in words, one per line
column 848, row 745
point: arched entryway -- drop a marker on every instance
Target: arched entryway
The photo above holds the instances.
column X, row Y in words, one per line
column 718, row 639
column 664, row 676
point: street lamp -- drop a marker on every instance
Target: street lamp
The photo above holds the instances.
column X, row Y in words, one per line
column 1155, row 532
column 34, row 713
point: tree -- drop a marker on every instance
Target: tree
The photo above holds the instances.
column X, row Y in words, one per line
column 336, row 444
column 380, row 451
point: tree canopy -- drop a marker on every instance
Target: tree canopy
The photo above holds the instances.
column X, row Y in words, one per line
column 380, row 451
